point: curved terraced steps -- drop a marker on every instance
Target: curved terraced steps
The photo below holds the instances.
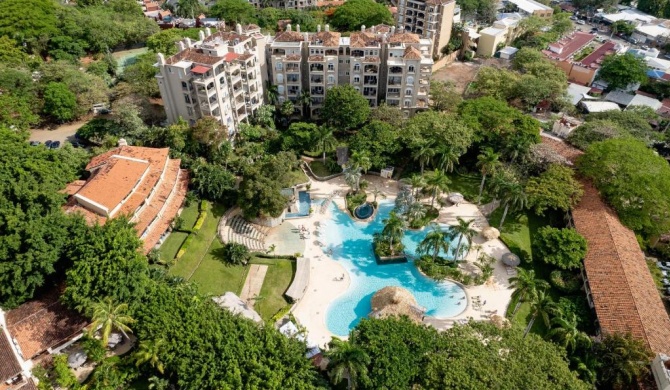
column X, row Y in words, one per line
column 234, row 228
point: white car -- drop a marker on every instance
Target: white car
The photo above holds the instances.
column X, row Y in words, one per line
column 580, row 22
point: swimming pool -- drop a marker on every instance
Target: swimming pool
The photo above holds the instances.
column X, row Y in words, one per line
column 304, row 203
column 351, row 245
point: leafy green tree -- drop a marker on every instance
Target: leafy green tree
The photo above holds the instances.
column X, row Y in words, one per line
column 356, row 13
column 88, row 88
column 508, row 188
column 141, row 76
column 150, row 352
column 564, row 248
column 634, row 180
column 464, row 230
column 106, row 263
column 619, row 71
column 360, row 160
column 63, row 376
column 165, row 41
column 235, row 254
column 443, row 96
column 212, row 181
column 525, row 284
column 344, row 107
column 17, row 111
column 31, row 21
column 423, row 151
column 109, row 374
column 436, row 241
column 352, row 176
column 415, row 181
column 324, row 139
column 259, row 190
column 556, row 188
column 234, row 11
column 298, row 136
column 622, row 26
column 623, row 360
column 349, row 361
column 565, row 332
column 379, row 140
column 109, row 316
column 156, row 383
column 10, row 53
column 487, row 162
column 437, row 182
column 388, row 114
column 59, row 102
column 189, row 8
column 595, row 131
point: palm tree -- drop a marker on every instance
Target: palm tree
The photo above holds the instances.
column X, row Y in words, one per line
column 463, row 229
column 361, row 161
column 272, row 93
column 417, row 182
column 416, row 211
column 394, row 230
column 424, row 153
column 352, row 175
column 150, row 351
column 623, row 359
column 512, row 196
column 324, row 139
column 347, row 360
column 487, row 162
column 566, row 334
column 435, row 241
column 525, row 284
column 156, row 383
column 108, row 316
column 437, row 182
column 304, row 99
column 448, row 158
column 378, row 193
column 543, row 306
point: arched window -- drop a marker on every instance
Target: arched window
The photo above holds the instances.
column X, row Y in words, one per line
column 280, row 89
column 280, row 78
column 410, row 80
column 357, row 67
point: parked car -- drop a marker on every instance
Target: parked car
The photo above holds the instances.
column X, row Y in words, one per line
column 48, row 144
column 34, row 143
column 55, row 145
column 663, row 264
column 581, row 22
column 76, row 144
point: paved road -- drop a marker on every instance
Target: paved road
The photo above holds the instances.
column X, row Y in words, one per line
column 61, row 133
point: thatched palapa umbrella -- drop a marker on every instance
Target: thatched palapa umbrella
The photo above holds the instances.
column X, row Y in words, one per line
column 455, row 198
column 395, row 301
column 490, row 233
column 511, row 259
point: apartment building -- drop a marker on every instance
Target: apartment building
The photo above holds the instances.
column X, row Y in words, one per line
column 285, row 4
column 381, row 63
column 221, row 75
column 431, row 19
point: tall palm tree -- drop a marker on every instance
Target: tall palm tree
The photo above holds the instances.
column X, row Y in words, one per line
column 623, row 359
column 417, row 182
column 304, row 99
column 448, row 157
column 424, row 154
column 526, row 284
column 487, row 162
column 361, row 160
column 512, row 196
column 463, row 229
column 272, row 93
column 378, row 193
column 542, row 306
column 415, row 211
column 347, row 360
column 108, row 316
column 352, row 175
column 437, row 182
column 150, row 352
column 394, row 230
column 435, row 241
column 324, row 139
column 566, row 334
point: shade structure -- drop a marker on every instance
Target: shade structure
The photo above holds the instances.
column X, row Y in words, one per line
column 395, row 301
column 76, row 359
column 490, row 233
column 455, row 197
column 114, row 339
column 511, row 259
column 500, row 321
column 236, row 305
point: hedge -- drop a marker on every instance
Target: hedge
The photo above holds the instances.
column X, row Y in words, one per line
column 184, row 246
column 199, row 221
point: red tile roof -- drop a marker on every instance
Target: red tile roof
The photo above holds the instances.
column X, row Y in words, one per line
column 568, row 46
column 42, row 324
column 594, row 59
column 9, row 365
column 199, row 69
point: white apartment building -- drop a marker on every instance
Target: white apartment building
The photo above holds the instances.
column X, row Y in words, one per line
column 382, row 64
column 221, row 75
column 431, row 19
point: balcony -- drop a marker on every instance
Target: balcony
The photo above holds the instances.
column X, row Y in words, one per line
column 239, row 101
column 371, row 69
column 316, row 80
column 316, row 91
column 371, row 92
column 206, row 92
column 395, row 70
column 357, row 53
column 422, row 92
column 316, row 68
column 237, row 88
column 293, row 91
column 295, row 68
column 209, row 108
column 292, row 78
column 370, row 80
column 395, row 81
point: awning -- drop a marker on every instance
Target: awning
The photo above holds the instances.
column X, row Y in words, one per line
column 199, row 69
column 300, row 280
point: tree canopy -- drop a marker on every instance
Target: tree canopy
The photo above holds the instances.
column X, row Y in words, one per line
column 564, row 248
column 379, row 140
column 356, row 13
column 620, row 71
column 234, row 11
column 556, row 188
column 344, row 107
column 634, row 180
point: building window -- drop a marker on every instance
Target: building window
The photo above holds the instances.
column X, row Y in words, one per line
column 410, row 80
column 331, row 66
column 411, row 68
column 279, row 66
column 408, row 103
column 187, row 99
column 331, row 79
column 189, row 110
column 184, row 85
column 357, row 67
column 408, row 92
column 280, row 89
column 357, row 79
column 280, row 78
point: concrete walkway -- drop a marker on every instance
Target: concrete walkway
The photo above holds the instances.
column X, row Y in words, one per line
column 253, row 284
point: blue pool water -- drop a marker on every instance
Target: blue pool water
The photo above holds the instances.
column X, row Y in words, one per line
column 364, row 211
column 351, row 244
column 304, row 203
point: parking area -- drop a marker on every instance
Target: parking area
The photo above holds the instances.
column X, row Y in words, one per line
column 62, row 134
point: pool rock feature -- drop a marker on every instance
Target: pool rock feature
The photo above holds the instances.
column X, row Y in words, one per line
column 393, row 301
column 364, row 211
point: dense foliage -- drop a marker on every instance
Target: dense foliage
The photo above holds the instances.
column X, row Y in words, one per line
column 473, row 356
column 345, row 108
column 634, row 180
column 620, row 71
column 634, row 122
column 556, row 188
column 564, row 248
column 356, row 13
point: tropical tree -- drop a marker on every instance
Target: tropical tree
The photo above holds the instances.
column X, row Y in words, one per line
column 526, row 284
column 394, row 230
column 378, row 193
column 417, row 182
column 448, row 157
column 345, row 108
column 437, row 182
column 304, row 100
column 272, row 92
column 564, row 331
column 360, row 160
column 415, row 212
column 435, row 241
column 513, row 196
column 347, row 360
column 109, row 316
column 487, row 162
column 543, row 306
column 352, row 175
column 463, row 229
column 157, row 383
column 623, row 360
column 150, row 352
column 424, row 153
column 324, row 139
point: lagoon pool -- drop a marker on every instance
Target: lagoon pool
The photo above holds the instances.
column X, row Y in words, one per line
column 351, row 245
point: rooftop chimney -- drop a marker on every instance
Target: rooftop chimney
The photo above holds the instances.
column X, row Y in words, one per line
column 123, row 142
column 201, row 35
column 161, row 59
column 189, row 43
column 288, row 27
column 392, row 30
column 208, row 31
column 327, row 27
column 318, row 28
column 297, row 28
column 363, row 28
column 238, row 28
column 180, row 46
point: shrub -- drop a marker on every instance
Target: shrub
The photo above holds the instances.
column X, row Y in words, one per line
column 184, row 246
column 93, row 348
column 355, row 200
column 200, row 221
column 235, row 254
column 564, row 248
column 565, row 281
column 204, row 205
column 441, row 269
column 382, row 248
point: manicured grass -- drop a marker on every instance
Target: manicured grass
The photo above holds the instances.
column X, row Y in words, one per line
column 515, row 233
column 200, row 245
column 172, row 244
column 277, row 280
column 296, row 177
column 468, row 185
column 320, row 169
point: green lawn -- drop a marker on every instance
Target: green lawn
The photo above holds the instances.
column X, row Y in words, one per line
column 277, row 280
column 172, row 244
column 320, row 169
column 468, row 185
column 516, row 231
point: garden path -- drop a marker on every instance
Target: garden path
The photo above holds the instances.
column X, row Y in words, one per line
column 253, row 284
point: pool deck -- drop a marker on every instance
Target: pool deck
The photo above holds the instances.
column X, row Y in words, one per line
column 324, row 287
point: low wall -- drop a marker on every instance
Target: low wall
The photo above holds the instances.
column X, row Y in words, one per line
column 270, row 222
column 319, row 178
column 444, row 61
